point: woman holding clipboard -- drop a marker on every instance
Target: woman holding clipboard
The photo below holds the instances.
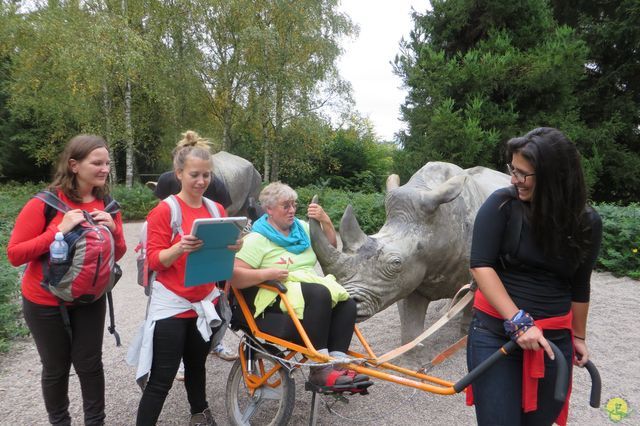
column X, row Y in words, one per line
column 180, row 318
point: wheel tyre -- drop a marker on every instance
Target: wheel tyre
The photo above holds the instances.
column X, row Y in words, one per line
column 269, row 405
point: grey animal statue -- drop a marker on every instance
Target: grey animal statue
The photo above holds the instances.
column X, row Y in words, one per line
column 421, row 253
column 240, row 178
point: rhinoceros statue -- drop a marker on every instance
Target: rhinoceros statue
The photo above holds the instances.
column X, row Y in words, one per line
column 241, row 179
column 421, row 253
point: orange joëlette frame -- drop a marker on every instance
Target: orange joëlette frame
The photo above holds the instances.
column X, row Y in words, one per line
column 410, row 378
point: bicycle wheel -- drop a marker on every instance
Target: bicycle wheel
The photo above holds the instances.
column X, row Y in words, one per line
column 271, row 404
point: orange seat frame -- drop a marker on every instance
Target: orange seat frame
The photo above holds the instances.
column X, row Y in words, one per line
column 383, row 371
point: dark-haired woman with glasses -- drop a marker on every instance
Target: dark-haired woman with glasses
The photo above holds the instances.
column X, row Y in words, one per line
column 279, row 248
column 538, row 291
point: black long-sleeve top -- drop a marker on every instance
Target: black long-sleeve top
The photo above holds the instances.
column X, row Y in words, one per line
column 542, row 286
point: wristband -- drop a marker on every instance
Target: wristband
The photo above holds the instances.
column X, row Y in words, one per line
column 518, row 325
column 578, row 337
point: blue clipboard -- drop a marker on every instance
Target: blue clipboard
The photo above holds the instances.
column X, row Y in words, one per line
column 213, row 262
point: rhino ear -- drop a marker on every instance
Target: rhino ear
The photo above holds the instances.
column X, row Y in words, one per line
column 393, row 181
column 350, row 233
column 445, row 193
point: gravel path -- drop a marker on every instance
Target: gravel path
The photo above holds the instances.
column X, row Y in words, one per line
column 614, row 341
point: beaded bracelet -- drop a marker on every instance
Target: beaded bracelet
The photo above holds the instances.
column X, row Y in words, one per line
column 518, row 325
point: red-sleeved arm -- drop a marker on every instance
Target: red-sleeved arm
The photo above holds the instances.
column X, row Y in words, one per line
column 158, row 235
column 29, row 240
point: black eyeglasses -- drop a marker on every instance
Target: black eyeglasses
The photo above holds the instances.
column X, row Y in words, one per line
column 520, row 177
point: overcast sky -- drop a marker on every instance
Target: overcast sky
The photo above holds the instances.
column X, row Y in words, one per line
column 366, row 61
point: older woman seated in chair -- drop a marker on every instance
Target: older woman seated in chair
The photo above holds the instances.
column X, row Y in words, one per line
column 279, row 248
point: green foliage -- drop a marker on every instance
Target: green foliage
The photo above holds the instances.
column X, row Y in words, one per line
column 609, row 95
column 135, row 202
column 355, row 161
column 482, row 72
column 620, row 252
column 369, row 208
column 12, row 199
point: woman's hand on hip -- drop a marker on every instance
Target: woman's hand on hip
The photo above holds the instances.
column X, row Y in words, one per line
column 533, row 339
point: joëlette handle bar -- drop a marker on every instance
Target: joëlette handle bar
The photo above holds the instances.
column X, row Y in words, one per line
column 562, row 378
column 596, row 384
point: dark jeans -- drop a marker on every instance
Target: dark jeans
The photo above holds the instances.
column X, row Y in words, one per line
column 175, row 339
column 57, row 353
column 327, row 327
column 498, row 392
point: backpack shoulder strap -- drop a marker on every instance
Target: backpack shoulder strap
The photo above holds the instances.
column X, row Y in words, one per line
column 176, row 215
column 212, row 207
column 511, row 238
column 53, row 205
column 111, row 206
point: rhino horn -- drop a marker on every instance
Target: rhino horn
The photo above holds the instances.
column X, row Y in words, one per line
column 393, row 181
column 350, row 233
column 445, row 193
column 326, row 253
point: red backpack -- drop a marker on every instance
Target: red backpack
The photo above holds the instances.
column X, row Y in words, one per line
column 90, row 270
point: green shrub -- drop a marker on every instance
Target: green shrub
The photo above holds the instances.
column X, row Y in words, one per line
column 135, row 202
column 13, row 196
column 368, row 207
column 619, row 253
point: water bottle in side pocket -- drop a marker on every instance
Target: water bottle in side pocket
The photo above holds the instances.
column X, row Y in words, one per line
column 58, row 259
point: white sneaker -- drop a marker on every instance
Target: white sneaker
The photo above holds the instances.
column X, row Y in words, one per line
column 180, row 374
column 223, row 353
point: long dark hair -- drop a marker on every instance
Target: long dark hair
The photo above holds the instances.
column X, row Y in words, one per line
column 560, row 197
column 78, row 148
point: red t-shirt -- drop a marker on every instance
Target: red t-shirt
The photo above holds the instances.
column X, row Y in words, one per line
column 30, row 240
column 159, row 238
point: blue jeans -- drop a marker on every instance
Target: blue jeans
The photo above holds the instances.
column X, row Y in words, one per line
column 498, row 392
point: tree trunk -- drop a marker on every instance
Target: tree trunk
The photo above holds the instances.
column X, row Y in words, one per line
column 267, row 154
column 275, row 160
column 106, row 106
column 128, row 135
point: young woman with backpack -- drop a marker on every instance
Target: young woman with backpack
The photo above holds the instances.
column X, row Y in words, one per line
column 180, row 319
column 80, row 182
column 536, row 292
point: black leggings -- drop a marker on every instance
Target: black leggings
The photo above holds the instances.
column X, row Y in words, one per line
column 57, row 353
column 175, row 339
column 326, row 327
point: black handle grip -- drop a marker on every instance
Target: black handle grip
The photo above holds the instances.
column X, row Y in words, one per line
column 276, row 284
column 596, row 384
column 461, row 384
column 562, row 378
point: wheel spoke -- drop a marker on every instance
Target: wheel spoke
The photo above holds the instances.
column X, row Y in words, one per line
column 252, row 407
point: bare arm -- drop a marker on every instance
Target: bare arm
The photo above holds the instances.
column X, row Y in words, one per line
column 246, row 276
column 495, row 293
column 580, row 312
column 317, row 212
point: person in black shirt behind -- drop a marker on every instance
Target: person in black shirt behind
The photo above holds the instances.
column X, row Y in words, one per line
column 168, row 184
column 540, row 291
